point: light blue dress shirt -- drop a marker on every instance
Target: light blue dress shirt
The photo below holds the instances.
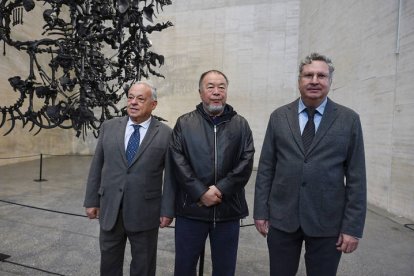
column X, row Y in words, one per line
column 303, row 116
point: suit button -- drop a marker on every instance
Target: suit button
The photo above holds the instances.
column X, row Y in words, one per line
column 306, row 160
column 120, row 189
column 303, row 184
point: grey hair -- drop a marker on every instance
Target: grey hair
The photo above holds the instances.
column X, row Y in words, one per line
column 316, row 56
column 154, row 94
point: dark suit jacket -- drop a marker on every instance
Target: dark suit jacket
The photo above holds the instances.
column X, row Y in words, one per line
column 323, row 191
column 138, row 186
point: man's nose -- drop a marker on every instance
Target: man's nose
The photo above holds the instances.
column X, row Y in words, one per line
column 216, row 91
column 315, row 78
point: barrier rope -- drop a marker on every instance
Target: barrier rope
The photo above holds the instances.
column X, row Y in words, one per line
column 409, row 226
column 32, row 267
column 43, row 209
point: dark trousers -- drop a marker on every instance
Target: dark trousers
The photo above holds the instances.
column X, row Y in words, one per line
column 190, row 239
column 321, row 256
column 143, row 250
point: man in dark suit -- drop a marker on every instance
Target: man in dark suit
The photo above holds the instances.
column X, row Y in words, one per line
column 311, row 183
column 125, row 193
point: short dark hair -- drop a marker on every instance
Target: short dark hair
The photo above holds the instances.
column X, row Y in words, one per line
column 211, row 71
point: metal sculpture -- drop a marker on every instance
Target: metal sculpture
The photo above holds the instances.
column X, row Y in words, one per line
column 97, row 48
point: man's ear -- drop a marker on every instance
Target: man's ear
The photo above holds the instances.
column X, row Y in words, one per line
column 154, row 104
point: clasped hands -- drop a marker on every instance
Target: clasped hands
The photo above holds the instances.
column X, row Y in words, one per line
column 212, row 196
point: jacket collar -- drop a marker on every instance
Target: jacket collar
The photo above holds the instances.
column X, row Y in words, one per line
column 227, row 114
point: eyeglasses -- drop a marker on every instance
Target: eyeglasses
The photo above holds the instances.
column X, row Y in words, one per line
column 139, row 98
column 311, row 76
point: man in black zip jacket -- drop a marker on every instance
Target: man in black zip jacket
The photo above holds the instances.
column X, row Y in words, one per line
column 211, row 154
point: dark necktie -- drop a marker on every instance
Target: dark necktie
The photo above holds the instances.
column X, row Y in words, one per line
column 133, row 144
column 309, row 130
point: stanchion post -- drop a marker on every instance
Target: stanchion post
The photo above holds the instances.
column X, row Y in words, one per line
column 40, row 170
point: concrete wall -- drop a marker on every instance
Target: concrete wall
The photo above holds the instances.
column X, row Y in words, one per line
column 374, row 77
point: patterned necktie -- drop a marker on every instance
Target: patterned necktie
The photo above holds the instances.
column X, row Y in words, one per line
column 309, row 130
column 133, row 144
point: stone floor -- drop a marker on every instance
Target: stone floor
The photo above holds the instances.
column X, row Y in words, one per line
column 44, row 231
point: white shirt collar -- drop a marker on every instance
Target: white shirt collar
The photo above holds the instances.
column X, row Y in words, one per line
column 144, row 124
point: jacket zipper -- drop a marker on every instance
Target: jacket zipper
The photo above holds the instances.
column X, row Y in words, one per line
column 216, row 167
column 215, row 171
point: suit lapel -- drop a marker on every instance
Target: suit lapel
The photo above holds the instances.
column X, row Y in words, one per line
column 328, row 118
column 120, row 137
column 293, row 121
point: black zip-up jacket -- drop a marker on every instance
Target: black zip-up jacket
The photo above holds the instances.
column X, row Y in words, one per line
column 205, row 152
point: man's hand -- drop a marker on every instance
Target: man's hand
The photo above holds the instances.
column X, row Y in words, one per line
column 92, row 213
column 262, row 226
column 165, row 221
column 346, row 243
column 211, row 197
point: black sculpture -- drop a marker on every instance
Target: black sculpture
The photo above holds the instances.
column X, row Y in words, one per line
column 82, row 85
